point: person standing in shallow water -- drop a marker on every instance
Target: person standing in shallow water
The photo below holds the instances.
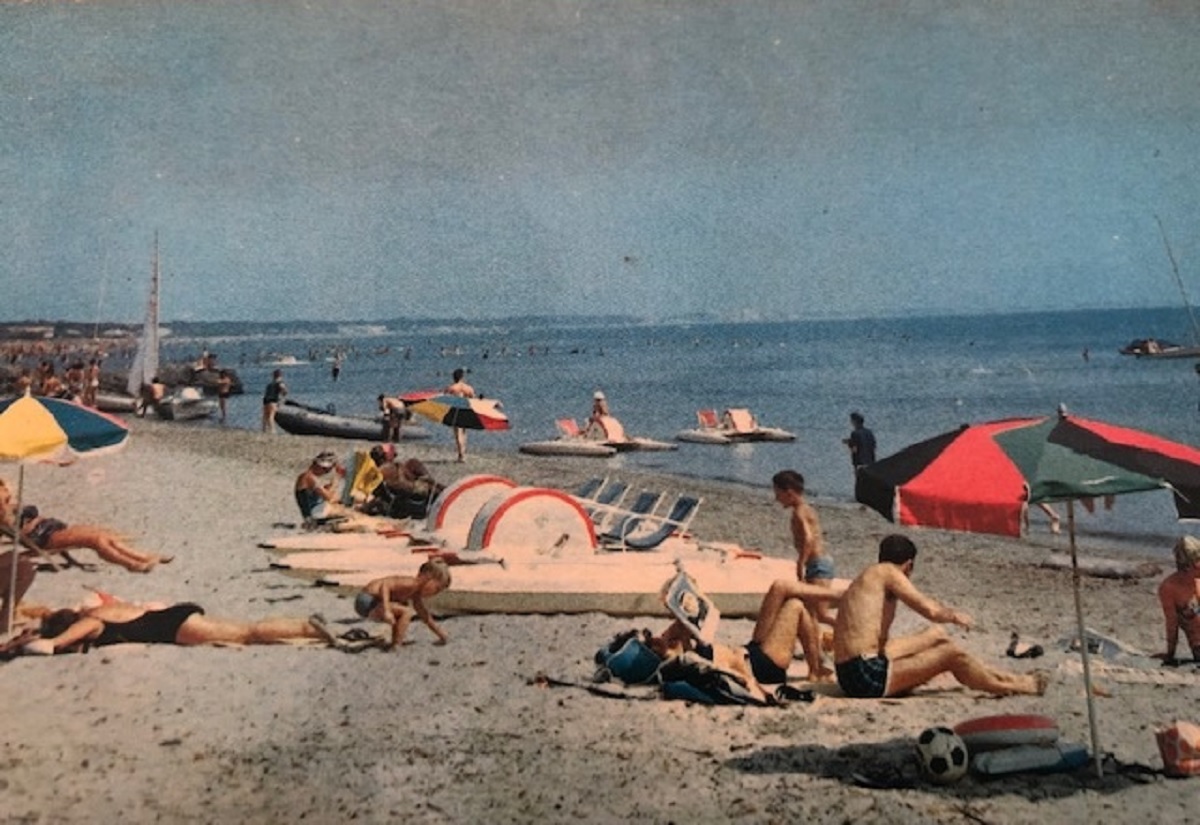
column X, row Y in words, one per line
column 273, row 395
column 861, row 442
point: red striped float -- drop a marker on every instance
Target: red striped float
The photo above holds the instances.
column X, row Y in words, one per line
column 1007, row 730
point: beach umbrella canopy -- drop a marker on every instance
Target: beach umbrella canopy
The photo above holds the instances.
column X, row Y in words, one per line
column 56, row 431
column 466, row 413
column 980, row 478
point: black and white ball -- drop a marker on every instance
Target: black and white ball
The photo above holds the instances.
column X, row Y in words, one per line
column 942, row 754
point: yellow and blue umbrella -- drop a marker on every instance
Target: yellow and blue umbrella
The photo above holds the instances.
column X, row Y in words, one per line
column 33, row 428
column 51, row 430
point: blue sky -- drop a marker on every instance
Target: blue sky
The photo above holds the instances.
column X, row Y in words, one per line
column 348, row 159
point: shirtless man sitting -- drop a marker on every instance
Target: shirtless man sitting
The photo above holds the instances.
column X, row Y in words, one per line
column 1179, row 595
column 870, row 665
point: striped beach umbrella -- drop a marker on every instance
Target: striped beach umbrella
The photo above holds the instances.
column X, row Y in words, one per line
column 464, row 413
column 981, row 477
column 51, row 430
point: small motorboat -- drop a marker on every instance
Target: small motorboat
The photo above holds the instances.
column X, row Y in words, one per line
column 736, row 426
column 301, row 419
column 112, row 402
column 185, row 404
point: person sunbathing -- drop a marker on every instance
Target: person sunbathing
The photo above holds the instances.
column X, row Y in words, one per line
column 765, row 659
column 184, row 623
column 386, row 600
column 55, row 536
column 870, row 664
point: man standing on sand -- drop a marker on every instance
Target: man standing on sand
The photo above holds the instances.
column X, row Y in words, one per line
column 273, row 395
column 813, row 564
column 463, row 390
column 870, row 665
column 1179, row 595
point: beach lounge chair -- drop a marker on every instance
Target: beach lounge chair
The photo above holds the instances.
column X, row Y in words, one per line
column 677, row 519
column 568, row 427
column 605, row 502
column 644, row 505
column 614, row 431
column 588, row 489
column 708, row 419
column 741, row 420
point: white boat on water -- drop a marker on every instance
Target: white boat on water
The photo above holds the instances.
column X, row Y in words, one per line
column 534, row 550
column 603, row 439
column 737, row 425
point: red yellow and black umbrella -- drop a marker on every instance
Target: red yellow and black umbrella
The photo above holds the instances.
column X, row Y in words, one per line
column 465, row 413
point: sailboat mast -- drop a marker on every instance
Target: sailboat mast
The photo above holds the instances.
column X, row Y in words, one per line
column 145, row 362
column 1179, row 282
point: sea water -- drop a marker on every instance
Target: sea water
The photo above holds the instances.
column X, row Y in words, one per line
column 912, row 378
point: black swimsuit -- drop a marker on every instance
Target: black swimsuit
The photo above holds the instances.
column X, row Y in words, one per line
column 153, row 626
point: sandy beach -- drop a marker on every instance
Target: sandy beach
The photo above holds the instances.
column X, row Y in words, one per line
column 460, row 734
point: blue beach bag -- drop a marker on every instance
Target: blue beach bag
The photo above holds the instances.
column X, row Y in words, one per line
column 628, row 659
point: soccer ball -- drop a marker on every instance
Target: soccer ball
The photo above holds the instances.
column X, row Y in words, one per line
column 942, row 754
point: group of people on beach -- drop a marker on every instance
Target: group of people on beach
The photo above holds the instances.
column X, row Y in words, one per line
column 868, row 661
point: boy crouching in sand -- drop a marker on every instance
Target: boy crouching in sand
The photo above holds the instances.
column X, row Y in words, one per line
column 387, row 600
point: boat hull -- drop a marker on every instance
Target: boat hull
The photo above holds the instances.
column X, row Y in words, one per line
column 569, row 446
column 185, row 410
column 304, row 421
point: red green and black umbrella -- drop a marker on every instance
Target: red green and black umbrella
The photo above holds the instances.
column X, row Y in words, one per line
column 981, row 477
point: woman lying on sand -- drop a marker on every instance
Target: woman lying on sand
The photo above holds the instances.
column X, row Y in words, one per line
column 181, row 624
column 55, row 536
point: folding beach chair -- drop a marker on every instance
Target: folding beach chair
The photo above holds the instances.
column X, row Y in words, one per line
column 568, row 427
column 606, row 501
column 677, row 520
column 643, row 506
column 588, row 489
column 708, row 419
column 741, row 420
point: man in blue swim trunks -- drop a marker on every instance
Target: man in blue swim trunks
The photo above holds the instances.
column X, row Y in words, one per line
column 871, row 665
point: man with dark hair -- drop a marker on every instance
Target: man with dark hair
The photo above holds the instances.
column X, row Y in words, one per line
column 861, row 442
column 870, row 665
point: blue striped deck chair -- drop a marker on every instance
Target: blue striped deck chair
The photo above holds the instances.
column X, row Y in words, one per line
column 650, row 531
column 643, row 505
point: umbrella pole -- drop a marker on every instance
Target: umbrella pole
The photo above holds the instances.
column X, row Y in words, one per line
column 1083, row 643
column 16, row 556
